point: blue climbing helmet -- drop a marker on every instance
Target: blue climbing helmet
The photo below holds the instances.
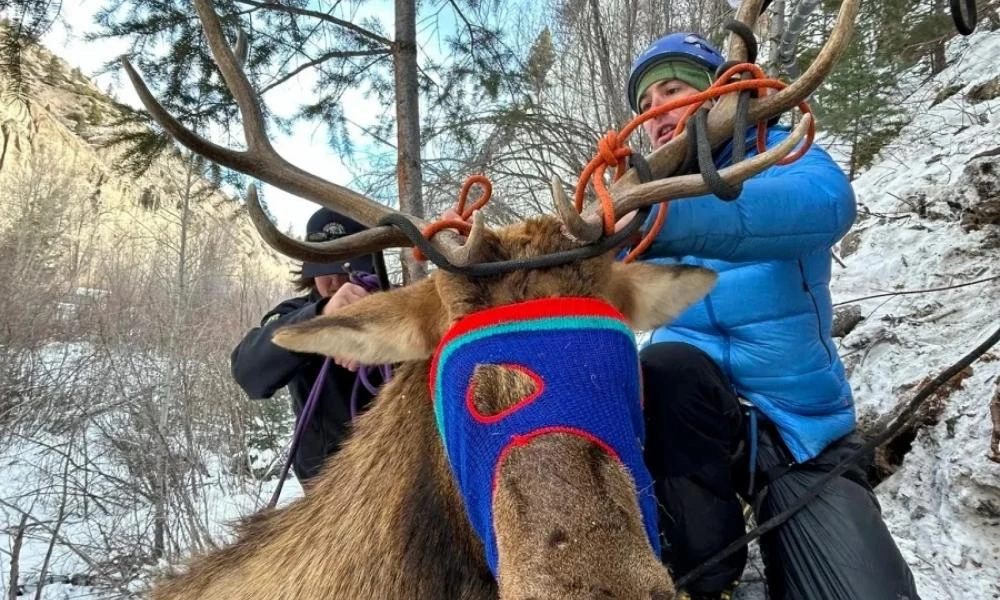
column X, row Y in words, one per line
column 683, row 46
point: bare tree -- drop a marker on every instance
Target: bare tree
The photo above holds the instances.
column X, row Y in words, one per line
column 15, row 558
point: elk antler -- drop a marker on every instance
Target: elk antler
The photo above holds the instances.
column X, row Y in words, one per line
column 630, row 194
column 627, row 199
column 261, row 161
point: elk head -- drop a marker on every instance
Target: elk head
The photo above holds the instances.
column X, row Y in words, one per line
column 566, row 516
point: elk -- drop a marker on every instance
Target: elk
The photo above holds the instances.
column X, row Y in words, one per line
column 387, row 517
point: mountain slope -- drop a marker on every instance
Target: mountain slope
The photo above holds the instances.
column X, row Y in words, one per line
column 63, row 119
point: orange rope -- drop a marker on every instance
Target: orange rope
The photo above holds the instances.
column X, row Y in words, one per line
column 462, row 225
column 612, row 151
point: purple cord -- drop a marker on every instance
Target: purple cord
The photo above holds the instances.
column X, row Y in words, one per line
column 300, row 425
column 370, row 282
column 362, row 379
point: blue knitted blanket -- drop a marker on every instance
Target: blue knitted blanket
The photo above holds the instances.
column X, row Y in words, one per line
column 582, row 357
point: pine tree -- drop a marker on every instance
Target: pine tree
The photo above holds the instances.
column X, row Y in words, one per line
column 859, row 101
column 24, row 24
column 541, row 57
column 328, row 41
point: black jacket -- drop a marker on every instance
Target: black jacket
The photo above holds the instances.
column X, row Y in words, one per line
column 262, row 368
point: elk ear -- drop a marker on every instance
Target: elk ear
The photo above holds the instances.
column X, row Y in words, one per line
column 395, row 326
column 650, row 295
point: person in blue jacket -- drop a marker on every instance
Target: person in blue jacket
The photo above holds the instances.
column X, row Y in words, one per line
column 745, row 394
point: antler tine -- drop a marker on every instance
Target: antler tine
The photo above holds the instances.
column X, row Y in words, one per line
column 693, row 185
column 236, row 80
column 470, row 251
column 576, row 225
column 262, row 162
column 737, row 51
column 748, row 13
column 363, row 242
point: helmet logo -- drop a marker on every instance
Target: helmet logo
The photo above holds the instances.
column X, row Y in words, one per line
column 696, row 40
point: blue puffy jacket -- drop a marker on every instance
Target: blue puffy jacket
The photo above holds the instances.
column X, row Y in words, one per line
column 767, row 322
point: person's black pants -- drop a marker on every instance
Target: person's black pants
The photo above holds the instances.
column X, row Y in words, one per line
column 697, row 450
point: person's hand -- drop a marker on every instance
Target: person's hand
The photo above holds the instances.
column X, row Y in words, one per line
column 347, row 294
column 625, row 220
column 450, row 215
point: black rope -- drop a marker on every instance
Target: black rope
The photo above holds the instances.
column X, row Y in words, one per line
column 378, row 259
column 490, row 269
column 689, row 165
column 740, row 126
column 746, row 34
column 699, row 145
column 643, row 170
column 706, row 163
column 965, row 24
column 729, row 64
column 904, row 418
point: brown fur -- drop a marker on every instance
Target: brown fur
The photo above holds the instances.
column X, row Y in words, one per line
column 384, row 520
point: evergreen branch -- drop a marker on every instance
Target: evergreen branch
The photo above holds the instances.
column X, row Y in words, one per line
column 390, row 45
column 319, row 60
column 374, row 135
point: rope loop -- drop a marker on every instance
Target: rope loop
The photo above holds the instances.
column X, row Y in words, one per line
column 613, row 151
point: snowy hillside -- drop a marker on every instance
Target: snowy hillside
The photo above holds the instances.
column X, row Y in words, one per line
column 930, row 218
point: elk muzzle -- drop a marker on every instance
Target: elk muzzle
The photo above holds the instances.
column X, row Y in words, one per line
column 569, row 527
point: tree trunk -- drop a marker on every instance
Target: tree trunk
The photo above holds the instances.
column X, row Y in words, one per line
column 159, row 514
column 616, row 116
column 854, row 153
column 790, row 35
column 776, row 30
column 60, row 517
column 938, row 60
column 15, row 557
column 408, row 171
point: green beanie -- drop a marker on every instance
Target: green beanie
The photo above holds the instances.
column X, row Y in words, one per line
column 682, row 70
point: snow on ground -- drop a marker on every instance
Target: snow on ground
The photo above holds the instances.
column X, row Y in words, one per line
column 943, row 505
column 102, row 532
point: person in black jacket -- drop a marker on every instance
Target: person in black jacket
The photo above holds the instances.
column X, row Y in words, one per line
column 262, row 368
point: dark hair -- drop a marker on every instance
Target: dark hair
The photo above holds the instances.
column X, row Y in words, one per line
column 300, row 282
